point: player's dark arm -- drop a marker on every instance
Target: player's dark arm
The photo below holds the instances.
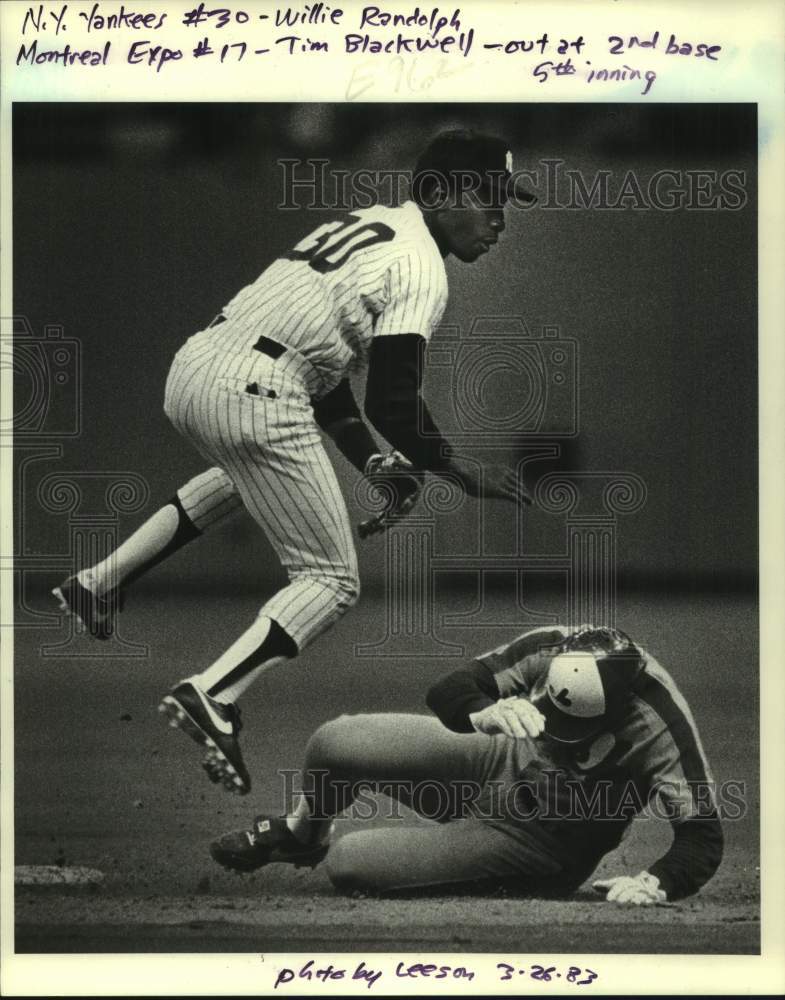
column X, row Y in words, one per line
column 395, row 407
column 694, row 856
column 455, row 697
column 394, row 404
column 339, row 416
column 510, row 669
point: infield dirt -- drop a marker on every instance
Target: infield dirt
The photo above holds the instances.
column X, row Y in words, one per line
column 101, row 782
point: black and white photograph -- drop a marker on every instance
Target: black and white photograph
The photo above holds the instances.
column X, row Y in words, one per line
column 385, row 542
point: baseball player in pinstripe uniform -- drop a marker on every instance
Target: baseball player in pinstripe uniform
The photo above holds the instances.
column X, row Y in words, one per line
column 543, row 752
column 253, row 389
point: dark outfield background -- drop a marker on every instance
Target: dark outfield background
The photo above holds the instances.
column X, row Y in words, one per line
column 132, row 226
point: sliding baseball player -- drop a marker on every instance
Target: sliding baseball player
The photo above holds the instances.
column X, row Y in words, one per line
column 542, row 753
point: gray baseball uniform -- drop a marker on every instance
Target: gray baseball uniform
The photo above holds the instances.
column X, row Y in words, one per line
column 521, row 811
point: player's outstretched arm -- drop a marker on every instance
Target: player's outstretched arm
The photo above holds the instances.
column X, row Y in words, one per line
column 395, row 407
column 692, row 860
column 697, row 847
column 498, row 482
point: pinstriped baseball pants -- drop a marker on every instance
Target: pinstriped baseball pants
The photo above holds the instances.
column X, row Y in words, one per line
column 269, row 455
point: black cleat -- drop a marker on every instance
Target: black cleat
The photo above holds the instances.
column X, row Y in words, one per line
column 214, row 725
column 92, row 613
column 268, row 841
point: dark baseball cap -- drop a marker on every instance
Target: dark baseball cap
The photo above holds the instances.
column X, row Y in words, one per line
column 584, row 690
column 462, row 153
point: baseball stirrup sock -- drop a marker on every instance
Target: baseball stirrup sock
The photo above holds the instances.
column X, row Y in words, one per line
column 185, row 531
column 262, row 646
column 168, row 530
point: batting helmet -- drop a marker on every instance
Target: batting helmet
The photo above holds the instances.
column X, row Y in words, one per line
column 588, row 683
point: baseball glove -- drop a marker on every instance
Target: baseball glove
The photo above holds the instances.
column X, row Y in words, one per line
column 395, row 481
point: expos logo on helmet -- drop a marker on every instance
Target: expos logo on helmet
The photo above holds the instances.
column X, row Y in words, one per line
column 587, row 683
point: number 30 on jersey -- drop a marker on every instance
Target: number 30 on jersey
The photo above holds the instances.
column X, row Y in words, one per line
column 331, row 245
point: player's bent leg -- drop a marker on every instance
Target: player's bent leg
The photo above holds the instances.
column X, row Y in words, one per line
column 286, row 623
column 321, row 590
column 263, row 645
column 95, row 594
column 287, row 483
column 460, row 853
column 203, row 706
column 209, row 498
column 311, row 604
column 411, row 758
column 410, row 744
column 272, row 450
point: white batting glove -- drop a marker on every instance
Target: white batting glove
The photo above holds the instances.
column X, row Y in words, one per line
column 515, row 717
column 641, row 890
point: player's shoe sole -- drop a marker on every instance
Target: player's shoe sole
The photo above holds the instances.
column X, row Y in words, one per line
column 91, row 613
column 213, row 725
column 269, row 841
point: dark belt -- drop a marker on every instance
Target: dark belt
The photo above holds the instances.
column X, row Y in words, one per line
column 264, row 345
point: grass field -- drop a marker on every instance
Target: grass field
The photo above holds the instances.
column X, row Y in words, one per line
column 100, row 781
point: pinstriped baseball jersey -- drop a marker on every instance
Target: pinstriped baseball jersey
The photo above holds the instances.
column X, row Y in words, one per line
column 375, row 272
column 654, row 751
